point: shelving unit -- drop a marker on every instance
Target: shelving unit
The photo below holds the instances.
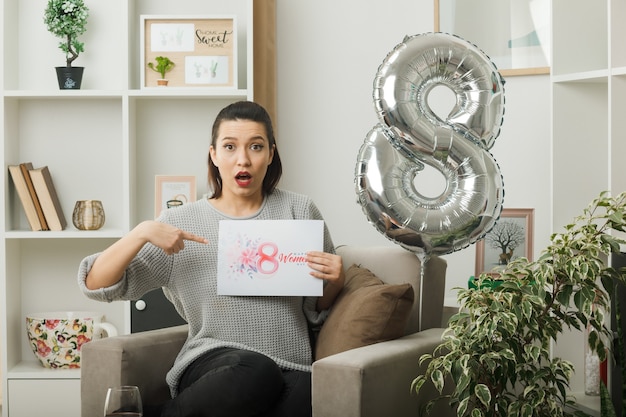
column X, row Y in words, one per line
column 106, row 141
column 588, row 143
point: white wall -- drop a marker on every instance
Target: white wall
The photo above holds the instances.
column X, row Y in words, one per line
column 328, row 54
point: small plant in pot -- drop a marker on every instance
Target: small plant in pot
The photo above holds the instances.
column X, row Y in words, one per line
column 67, row 19
column 494, row 359
column 163, row 65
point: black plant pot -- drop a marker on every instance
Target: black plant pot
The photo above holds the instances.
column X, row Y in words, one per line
column 70, row 78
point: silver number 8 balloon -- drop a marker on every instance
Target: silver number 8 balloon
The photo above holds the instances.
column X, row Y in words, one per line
column 410, row 136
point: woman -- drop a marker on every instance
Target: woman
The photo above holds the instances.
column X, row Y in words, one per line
column 244, row 356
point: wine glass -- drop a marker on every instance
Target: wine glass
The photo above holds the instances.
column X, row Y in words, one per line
column 123, row 401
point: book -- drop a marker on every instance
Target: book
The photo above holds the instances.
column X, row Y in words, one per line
column 25, row 197
column 26, row 167
column 50, row 204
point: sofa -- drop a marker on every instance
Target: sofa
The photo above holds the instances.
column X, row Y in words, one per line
column 351, row 376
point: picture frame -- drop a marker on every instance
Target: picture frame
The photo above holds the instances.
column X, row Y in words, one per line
column 495, row 250
column 203, row 49
column 173, row 190
column 516, row 37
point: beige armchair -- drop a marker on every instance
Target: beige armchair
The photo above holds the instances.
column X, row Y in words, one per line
column 369, row 381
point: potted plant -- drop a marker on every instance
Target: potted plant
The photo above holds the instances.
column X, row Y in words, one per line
column 163, row 65
column 496, row 350
column 67, row 19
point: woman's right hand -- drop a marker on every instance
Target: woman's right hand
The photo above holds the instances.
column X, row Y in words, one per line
column 110, row 265
column 165, row 236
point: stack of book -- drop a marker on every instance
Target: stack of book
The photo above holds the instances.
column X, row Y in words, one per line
column 38, row 196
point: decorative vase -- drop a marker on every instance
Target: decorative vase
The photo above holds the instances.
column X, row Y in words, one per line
column 70, row 78
column 56, row 337
column 88, row 215
column 173, row 203
column 592, row 369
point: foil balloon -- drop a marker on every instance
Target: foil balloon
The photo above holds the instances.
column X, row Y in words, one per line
column 411, row 136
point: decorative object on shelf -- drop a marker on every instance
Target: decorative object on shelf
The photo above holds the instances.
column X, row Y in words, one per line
column 518, row 41
column 510, row 238
column 70, row 78
column 173, row 203
column 163, row 66
column 496, row 351
column 410, row 136
column 88, row 215
column 38, row 197
column 592, row 368
column 28, row 197
column 67, row 19
column 26, row 168
column 173, row 187
column 56, row 338
column 48, row 198
column 204, row 49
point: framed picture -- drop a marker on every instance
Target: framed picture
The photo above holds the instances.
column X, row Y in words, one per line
column 510, row 238
column 171, row 191
column 203, row 50
column 515, row 34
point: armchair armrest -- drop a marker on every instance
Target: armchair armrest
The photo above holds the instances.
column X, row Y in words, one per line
column 141, row 359
column 375, row 380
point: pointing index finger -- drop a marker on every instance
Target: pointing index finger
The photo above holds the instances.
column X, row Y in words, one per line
column 194, row 238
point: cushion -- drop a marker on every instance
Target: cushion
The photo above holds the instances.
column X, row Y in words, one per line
column 366, row 311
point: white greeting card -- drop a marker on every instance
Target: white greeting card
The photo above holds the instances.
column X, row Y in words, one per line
column 268, row 257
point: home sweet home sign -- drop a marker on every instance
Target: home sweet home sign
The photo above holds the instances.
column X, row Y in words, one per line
column 203, row 49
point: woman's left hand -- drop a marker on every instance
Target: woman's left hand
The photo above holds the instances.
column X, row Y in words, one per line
column 328, row 267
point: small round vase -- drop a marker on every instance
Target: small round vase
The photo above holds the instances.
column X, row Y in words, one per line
column 88, row 215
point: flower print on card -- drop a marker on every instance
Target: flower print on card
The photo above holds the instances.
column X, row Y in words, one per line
column 268, row 257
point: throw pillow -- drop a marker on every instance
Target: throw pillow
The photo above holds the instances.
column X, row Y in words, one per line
column 367, row 311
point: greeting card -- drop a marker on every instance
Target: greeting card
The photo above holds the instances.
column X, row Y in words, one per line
column 268, row 257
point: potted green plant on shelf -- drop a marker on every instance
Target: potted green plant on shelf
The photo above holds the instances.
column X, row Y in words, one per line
column 163, row 65
column 67, row 19
column 496, row 350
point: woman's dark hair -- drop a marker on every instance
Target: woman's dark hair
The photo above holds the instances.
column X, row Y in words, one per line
column 246, row 110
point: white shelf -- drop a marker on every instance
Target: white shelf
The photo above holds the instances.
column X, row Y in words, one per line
column 105, row 142
column 618, row 71
column 166, row 92
column 172, row 92
column 60, row 94
column 587, row 124
column 599, row 76
column 34, row 370
column 155, row 92
column 66, row 234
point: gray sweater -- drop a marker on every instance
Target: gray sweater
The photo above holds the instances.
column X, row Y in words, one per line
column 274, row 326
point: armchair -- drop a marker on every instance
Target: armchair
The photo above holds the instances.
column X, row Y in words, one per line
column 369, row 381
